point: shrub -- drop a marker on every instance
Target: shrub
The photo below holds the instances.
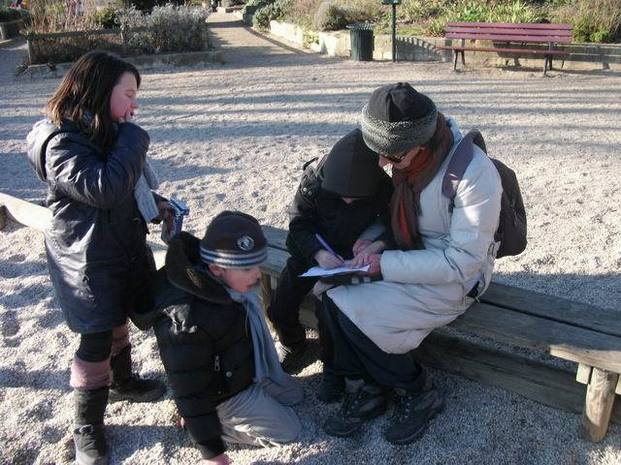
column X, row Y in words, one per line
column 417, row 10
column 167, row 29
column 273, row 11
column 232, row 2
column 106, row 18
column 593, row 20
column 9, row 14
column 331, row 17
column 175, row 28
column 302, row 12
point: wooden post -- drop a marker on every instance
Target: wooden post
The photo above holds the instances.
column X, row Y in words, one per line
column 600, row 398
column 3, row 218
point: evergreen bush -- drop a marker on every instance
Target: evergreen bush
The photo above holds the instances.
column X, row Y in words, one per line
column 331, row 17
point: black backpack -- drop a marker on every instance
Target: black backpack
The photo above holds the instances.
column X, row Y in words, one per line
column 511, row 232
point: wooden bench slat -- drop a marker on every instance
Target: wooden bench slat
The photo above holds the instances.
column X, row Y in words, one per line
column 534, row 26
column 513, row 37
column 563, row 310
column 509, row 31
column 26, row 213
column 558, row 339
column 507, row 50
column 533, row 379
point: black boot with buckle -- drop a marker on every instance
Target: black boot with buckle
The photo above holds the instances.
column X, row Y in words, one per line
column 362, row 403
column 88, row 435
column 412, row 412
column 129, row 386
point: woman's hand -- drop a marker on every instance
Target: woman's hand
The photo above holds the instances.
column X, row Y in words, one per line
column 360, row 245
column 129, row 116
column 327, row 260
column 362, row 257
column 375, row 264
column 221, row 459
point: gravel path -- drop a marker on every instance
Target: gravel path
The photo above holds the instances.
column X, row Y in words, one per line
column 235, row 136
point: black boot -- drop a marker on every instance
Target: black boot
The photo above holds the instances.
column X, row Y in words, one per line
column 332, row 386
column 88, row 435
column 412, row 413
column 362, row 403
column 127, row 385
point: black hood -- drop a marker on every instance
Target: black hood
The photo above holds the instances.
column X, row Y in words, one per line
column 351, row 168
column 37, row 141
column 185, row 270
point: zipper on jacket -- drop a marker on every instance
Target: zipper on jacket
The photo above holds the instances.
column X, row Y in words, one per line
column 216, row 363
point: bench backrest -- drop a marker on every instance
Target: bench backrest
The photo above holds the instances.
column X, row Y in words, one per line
column 511, row 32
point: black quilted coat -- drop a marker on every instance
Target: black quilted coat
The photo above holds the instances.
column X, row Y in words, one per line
column 204, row 340
column 99, row 263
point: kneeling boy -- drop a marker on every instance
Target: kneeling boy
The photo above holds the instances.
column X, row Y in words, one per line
column 215, row 345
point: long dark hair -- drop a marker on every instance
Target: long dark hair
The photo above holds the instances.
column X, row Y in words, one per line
column 83, row 96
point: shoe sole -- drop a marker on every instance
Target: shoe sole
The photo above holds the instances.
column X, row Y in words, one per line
column 83, row 459
column 120, row 397
column 437, row 408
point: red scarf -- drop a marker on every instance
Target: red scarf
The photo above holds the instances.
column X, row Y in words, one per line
column 410, row 181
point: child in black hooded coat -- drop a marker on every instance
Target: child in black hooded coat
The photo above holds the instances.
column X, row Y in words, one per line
column 344, row 196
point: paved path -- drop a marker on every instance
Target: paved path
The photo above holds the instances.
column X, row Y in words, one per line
column 12, row 54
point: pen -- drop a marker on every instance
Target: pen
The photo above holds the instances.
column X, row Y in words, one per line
column 327, row 246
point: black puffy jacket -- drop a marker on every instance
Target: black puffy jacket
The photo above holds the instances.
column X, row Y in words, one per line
column 204, row 340
column 98, row 259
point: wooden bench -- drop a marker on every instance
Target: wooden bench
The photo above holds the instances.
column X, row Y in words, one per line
column 588, row 336
column 515, row 39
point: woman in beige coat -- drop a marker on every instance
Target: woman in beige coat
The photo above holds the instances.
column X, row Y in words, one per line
column 445, row 258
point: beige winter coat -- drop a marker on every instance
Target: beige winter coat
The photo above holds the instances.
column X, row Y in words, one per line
column 426, row 289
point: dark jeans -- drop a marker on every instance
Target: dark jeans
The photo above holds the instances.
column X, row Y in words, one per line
column 357, row 357
column 284, row 309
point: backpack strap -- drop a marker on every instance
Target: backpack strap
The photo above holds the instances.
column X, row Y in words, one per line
column 461, row 158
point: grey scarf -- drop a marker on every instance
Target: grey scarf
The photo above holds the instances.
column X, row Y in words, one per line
column 265, row 357
column 143, row 193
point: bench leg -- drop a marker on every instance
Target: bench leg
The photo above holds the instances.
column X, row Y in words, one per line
column 545, row 66
column 455, row 52
column 600, row 398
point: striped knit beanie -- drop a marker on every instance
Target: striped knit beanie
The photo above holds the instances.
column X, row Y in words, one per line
column 234, row 240
column 397, row 118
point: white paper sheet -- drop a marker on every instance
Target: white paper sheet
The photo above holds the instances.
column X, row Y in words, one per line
column 317, row 271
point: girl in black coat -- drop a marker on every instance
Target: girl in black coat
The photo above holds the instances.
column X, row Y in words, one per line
column 91, row 155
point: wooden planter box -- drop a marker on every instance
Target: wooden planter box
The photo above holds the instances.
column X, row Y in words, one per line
column 10, row 28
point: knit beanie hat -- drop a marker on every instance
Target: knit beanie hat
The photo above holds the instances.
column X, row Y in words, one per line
column 397, row 118
column 234, row 240
column 351, row 169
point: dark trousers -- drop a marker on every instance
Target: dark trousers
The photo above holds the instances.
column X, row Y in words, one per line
column 357, row 357
column 284, row 309
column 95, row 347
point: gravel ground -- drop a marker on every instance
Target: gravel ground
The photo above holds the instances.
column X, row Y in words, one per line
column 235, row 136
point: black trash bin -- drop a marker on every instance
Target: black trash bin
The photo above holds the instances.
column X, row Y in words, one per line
column 361, row 36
